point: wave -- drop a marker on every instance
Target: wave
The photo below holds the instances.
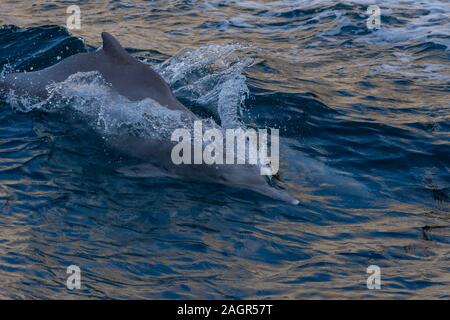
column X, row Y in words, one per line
column 36, row 48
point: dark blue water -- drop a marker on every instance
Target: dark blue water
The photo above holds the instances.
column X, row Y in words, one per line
column 365, row 145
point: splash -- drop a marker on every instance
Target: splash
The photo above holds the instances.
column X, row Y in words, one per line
column 6, row 69
column 212, row 77
column 89, row 96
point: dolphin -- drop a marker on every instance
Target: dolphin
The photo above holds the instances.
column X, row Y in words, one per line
column 137, row 81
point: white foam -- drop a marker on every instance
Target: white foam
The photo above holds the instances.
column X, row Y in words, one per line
column 211, row 76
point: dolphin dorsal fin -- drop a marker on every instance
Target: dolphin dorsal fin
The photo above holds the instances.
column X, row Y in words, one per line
column 113, row 49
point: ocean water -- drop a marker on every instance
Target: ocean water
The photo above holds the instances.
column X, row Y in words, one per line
column 364, row 120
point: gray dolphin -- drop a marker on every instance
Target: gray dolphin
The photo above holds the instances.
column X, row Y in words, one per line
column 136, row 81
column 130, row 77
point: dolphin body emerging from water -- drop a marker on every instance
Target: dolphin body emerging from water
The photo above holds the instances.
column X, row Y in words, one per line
column 136, row 81
column 128, row 76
